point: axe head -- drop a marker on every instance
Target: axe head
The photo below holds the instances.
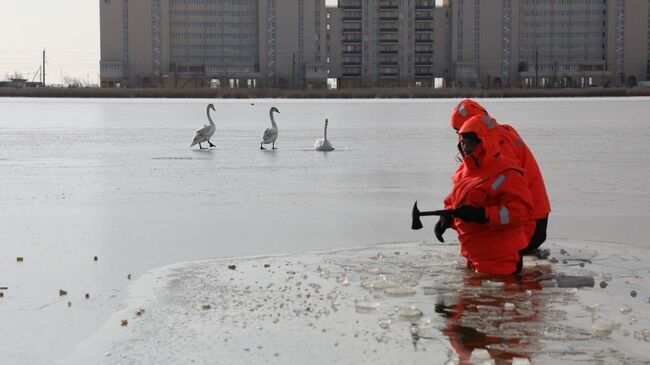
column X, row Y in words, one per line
column 416, row 223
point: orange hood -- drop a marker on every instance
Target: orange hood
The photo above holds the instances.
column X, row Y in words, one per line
column 485, row 129
column 466, row 109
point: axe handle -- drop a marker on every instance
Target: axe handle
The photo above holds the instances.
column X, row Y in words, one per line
column 439, row 212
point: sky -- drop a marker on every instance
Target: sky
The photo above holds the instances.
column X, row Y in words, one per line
column 68, row 30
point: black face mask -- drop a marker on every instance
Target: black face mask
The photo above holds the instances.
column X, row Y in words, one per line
column 468, row 143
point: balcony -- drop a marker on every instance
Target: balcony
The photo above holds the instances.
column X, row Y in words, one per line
column 423, row 74
column 388, row 7
column 351, row 63
column 388, row 18
column 424, row 63
column 388, row 40
column 423, row 6
column 423, row 40
column 351, row 5
column 422, row 29
column 351, row 18
column 352, row 74
column 423, row 18
column 352, row 41
column 388, row 52
column 388, row 63
column 388, row 30
column 389, row 74
column 426, row 52
column 352, row 30
column 352, row 52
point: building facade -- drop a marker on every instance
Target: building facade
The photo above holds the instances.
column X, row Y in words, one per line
column 549, row 43
column 374, row 43
column 199, row 43
column 388, row 43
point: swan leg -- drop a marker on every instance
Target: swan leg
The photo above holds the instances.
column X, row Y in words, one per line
column 273, row 145
column 210, row 143
column 262, row 148
column 201, row 147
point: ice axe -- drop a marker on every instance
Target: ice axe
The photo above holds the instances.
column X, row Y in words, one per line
column 417, row 224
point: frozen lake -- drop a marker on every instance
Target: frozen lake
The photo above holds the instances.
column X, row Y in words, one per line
column 116, row 179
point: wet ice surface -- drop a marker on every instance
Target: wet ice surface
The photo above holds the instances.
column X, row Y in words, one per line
column 400, row 302
column 115, row 179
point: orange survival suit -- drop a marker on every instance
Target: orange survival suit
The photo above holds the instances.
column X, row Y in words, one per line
column 512, row 146
column 489, row 180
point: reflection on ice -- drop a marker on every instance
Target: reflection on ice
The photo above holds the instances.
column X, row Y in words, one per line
column 408, row 302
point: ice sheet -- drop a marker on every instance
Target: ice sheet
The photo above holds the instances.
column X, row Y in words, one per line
column 391, row 303
column 115, row 179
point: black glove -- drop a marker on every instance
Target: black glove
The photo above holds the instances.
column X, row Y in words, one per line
column 444, row 222
column 469, row 213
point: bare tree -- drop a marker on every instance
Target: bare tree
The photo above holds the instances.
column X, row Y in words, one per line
column 16, row 75
column 72, row 82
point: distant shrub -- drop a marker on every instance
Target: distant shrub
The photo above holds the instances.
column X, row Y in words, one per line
column 359, row 93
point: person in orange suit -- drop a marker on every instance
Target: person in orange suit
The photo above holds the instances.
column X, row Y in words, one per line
column 512, row 145
column 490, row 200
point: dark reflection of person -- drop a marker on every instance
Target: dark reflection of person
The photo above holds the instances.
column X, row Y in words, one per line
column 477, row 317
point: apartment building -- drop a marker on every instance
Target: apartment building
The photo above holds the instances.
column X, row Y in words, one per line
column 549, row 43
column 374, row 43
column 387, row 43
column 496, row 43
column 201, row 43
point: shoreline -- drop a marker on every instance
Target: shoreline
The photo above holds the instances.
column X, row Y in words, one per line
column 370, row 93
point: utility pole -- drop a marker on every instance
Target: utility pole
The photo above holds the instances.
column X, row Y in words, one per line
column 43, row 68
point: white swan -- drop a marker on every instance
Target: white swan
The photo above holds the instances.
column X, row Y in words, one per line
column 322, row 144
column 204, row 133
column 270, row 134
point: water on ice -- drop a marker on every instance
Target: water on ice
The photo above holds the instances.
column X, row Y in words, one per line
column 275, row 314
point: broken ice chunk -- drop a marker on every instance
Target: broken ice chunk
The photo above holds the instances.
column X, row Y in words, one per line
column 365, row 305
column 625, row 309
column 520, row 361
column 409, row 313
column 568, row 281
column 492, row 284
column 384, row 323
column 481, row 356
column 602, row 328
column 399, row 292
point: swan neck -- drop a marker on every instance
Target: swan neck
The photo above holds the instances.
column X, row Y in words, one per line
column 272, row 119
column 325, row 131
column 209, row 118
